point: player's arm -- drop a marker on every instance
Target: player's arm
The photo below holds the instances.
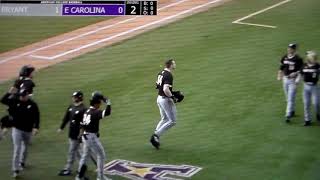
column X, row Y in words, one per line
column 300, row 71
column 7, row 99
column 166, row 90
column 280, row 72
column 65, row 120
column 36, row 117
column 107, row 111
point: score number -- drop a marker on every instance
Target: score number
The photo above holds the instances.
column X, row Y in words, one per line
column 133, row 7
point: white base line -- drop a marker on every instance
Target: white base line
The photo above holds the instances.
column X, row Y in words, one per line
column 131, row 30
column 81, row 35
column 252, row 24
column 238, row 21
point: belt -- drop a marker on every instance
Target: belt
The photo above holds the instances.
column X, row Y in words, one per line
column 87, row 133
column 310, row 83
column 290, row 77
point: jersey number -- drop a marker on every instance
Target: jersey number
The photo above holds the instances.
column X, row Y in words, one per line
column 86, row 119
column 291, row 67
column 314, row 75
column 159, row 80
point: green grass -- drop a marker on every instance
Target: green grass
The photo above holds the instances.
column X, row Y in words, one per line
column 231, row 122
column 20, row 31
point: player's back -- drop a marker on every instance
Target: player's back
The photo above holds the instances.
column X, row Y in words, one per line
column 91, row 118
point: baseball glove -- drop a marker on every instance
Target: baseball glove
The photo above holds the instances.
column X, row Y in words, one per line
column 178, row 95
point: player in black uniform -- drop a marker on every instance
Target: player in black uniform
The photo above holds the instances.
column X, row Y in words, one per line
column 74, row 116
column 166, row 102
column 26, row 119
column 310, row 73
column 90, row 137
column 25, row 82
column 290, row 67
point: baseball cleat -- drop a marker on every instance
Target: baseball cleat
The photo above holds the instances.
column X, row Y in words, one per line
column 155, row 141
column 307, row 123
column 22, row 166
column 15, row 174
column 64, row 172
column 79, row 178
column 288, row 120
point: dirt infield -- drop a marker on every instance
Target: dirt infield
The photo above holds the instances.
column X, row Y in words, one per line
column 72, row 44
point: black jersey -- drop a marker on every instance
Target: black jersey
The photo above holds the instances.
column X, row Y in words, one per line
column 164, row 77
column 310, row 73
column 24, row 83
column 92, row 117
column 74, row 115
column 291, row 64
column 25, row 114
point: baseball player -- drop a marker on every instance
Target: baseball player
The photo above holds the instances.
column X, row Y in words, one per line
column 290, row 67
column 166, row 102
column 310, row 73
column 24, row 81
column 74, row 116
column 90, row 137
column 26, row 119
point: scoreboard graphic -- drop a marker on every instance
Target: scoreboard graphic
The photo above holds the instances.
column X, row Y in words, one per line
column 77, row 8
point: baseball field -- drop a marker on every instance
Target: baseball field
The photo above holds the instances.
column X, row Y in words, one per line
column 231, row 123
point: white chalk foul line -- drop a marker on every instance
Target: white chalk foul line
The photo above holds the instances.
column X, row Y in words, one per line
column 81, row 35
column 131, row 30
column 238, row 21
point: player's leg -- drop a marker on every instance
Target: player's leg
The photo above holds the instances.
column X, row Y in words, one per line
column 285, row 87
column 1, row 134
column 155, row 139
column 291, row 98
column 83, row 160
column 98, row 149
column 170, row 110
column 307, row 103
column 26, row 137
column 72, row 153
column 163, row 116
column 315, row 100
column 16, row 139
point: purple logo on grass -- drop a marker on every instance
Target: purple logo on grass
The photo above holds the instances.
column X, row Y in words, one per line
column 93, row 9
column 142, row 171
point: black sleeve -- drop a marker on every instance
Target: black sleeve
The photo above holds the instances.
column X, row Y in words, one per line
column 301, row 72
column 167, row 79
column 300, row 65
column 36, row 116
column 281, row 64
column 107, row 111
column 65, row 119
column 6, row 99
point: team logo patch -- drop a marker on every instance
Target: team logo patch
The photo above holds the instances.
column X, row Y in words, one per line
column 142, row 171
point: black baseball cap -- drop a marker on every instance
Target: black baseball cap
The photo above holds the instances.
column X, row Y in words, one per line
column 26, row 70
column 293, row 46
column 97, row 97
column 77, row 94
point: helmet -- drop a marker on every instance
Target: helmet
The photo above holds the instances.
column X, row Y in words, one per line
column 78, row 94
column 97, row 97
column 293, row 46
column 26, row 70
